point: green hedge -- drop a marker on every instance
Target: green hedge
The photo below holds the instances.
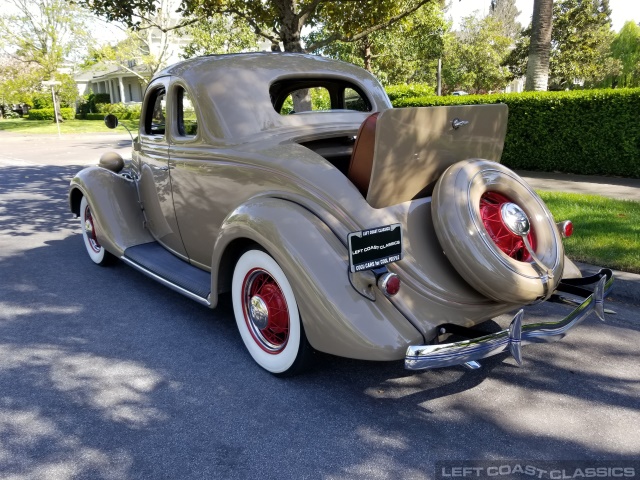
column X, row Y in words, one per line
column 593, row 132
column 398, row 92
column 120, row 110
column 90, row 116
column 48, row 113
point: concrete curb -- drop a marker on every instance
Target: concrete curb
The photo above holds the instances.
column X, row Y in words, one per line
column 626, row 287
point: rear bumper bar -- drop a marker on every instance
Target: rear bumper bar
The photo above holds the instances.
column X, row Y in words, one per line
column 421, row 357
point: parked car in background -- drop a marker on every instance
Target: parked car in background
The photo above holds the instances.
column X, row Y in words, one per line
column 338, row 223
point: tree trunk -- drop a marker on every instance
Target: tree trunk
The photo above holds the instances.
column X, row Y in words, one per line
column 540, row 47
column 290, row 25
column 367, row 53
column 56, row 109
column 291, row 36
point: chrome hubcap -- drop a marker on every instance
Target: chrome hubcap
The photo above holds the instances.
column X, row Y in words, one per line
column 258, row 312
column 515, row 219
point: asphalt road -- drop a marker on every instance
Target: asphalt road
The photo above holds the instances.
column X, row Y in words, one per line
column 105, row 374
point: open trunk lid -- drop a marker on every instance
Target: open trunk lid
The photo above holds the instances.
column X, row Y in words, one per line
column 414, row 146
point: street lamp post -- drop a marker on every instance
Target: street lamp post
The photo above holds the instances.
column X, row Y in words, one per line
column 52, row 83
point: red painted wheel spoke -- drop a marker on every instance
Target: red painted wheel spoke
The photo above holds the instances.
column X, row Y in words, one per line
column 508, row 242
column 273, row 336
column 93, row 239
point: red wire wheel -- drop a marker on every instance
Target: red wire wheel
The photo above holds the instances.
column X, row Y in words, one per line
column 467, row 208
column 265, row 311
column 511, row 244
column 90, row 230
column 88, row 222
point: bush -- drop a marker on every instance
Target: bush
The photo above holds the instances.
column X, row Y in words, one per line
column 48, row 113
column 397, row 92
column 88, row 103
column 592, row 132
column 120, row 110
column 94, row 116
column 99, row 98
column 42, row 100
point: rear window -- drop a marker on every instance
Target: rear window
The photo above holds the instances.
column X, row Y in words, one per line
column 298, row 96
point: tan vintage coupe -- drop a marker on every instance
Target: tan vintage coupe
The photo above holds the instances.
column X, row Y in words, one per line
column 339, row 224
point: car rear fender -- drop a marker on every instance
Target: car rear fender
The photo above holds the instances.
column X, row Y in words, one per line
column 114, row 203
column 336, row 318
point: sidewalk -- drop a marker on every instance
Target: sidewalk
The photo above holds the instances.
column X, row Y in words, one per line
column 618, row 188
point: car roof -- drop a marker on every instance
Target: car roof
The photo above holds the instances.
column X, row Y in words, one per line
column 236, row 87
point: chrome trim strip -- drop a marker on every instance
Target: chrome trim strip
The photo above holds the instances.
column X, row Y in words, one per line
column 420, row 357
column 166, row 283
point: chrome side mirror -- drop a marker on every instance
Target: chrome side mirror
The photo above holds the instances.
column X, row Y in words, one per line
column 111, row 121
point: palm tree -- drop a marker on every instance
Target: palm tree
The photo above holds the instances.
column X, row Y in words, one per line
column 540, row 46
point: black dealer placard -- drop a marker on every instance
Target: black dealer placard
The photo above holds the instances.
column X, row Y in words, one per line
column 375, row 247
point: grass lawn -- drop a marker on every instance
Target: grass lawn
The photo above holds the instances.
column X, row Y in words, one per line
column 23, row 125
column 606, row 231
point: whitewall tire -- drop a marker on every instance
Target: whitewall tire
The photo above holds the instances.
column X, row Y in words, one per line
column 267, row 315
column 96, row 252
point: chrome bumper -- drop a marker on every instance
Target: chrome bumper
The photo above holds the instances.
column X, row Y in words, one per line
column 421, row 357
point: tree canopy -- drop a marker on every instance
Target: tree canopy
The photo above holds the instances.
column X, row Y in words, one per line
column 403, row 53
column 219, row 34
column 626, row 49
column 474, row 55
column 506, row 12
column 580, row 42
column 38, row 37
column 278, row 21
column 43, row 33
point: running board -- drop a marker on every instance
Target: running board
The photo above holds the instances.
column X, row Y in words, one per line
column 153, row 260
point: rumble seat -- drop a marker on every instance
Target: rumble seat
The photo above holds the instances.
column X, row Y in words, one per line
column 362, row 157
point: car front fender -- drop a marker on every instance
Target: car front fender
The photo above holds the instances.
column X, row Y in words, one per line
column 114, row 203
column 336, row 318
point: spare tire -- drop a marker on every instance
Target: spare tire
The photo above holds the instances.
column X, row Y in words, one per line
column 469, row 205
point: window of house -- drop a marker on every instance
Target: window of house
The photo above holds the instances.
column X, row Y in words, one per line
column 156, row 113
column 187, row 120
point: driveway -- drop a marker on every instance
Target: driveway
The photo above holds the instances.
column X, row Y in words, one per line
column 105, row 374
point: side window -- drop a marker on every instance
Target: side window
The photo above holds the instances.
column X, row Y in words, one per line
column 156, row 113
column 353, row 101
column 187, row 121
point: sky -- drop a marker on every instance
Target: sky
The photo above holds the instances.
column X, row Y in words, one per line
column 621, row 10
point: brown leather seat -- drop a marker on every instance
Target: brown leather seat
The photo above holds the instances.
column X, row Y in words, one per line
column 361, row 162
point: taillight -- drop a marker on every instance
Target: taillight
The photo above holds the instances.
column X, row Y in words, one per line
column 389, row 283
column 565, row 228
